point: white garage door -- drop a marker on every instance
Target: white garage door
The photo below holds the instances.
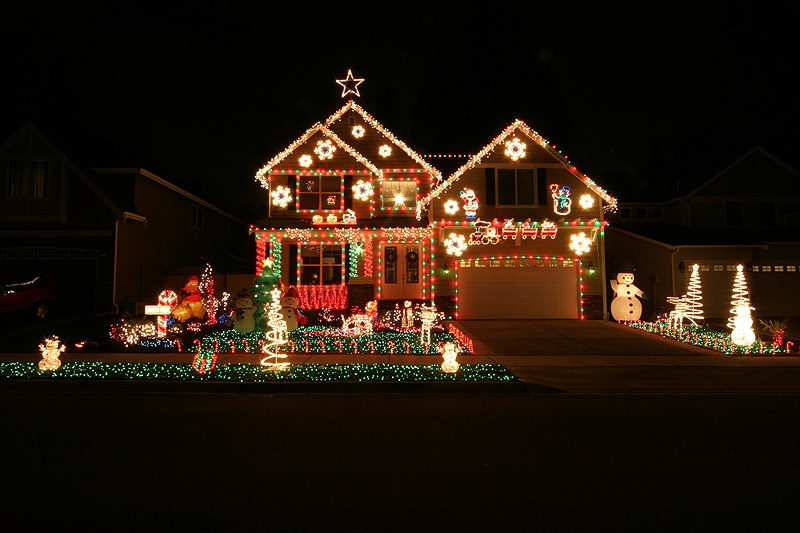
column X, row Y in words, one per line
column 517, row 288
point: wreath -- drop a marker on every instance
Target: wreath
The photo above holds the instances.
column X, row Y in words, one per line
column 411, row 256
column 391, row 255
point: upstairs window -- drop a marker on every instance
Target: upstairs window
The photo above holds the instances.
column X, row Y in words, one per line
column 399, row 194
column 516, row 186
column 196, row 217
column 28, row 179
column 319, row 192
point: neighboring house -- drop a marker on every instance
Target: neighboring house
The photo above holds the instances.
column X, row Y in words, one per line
column 518, row 233
column 747, row 214
column 342, row 224
column 355, row 215
column 106, row 236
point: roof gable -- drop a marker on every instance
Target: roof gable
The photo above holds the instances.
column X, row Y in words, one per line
column 737, row 179
column 335, row 130
column 520, row 128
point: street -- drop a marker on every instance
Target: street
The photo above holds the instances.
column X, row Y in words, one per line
column 400, row 462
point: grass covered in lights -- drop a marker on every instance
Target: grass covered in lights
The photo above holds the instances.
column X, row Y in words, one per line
column 705, row 338
column 256, row 373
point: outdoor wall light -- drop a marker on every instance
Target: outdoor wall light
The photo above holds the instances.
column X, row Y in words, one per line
column 681, row 267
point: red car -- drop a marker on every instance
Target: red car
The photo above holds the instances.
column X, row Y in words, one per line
column 26, row 293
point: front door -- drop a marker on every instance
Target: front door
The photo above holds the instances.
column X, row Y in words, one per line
column 401, row 272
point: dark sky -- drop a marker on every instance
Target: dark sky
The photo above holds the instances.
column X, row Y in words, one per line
column 641, row 99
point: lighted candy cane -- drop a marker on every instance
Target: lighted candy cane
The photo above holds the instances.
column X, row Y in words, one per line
column 339, row 345
column 321, row 345
column 305, row 344
column 178, row 344
column 291, row 346
column 167, row 297
column 246, row 345
column 789, row 344
column 408, row 346
column 391, row 347
column 371, row 345
column 354, row 344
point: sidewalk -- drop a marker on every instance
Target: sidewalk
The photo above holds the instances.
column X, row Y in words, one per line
column 548, row 356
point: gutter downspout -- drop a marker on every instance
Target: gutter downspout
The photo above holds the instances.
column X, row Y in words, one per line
column 114, row 277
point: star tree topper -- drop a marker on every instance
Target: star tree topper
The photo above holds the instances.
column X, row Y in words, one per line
column 350, row 84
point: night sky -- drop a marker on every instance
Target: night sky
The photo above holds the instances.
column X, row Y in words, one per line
column 642, row 101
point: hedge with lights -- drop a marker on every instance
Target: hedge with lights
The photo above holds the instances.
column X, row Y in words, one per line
column 700, row 336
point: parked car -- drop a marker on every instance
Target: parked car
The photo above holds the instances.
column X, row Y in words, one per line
column 33, row 294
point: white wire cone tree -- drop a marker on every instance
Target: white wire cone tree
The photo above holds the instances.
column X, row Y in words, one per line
column 740, row 295
column 276, row 335
column 694, row 297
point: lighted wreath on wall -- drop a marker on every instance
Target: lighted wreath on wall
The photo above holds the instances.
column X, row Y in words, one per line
column 411, row 257
column 391, row 256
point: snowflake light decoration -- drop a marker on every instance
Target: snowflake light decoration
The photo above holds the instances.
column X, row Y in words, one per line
column 385, row 150
column 362, row 190
column 455, row 244
column 305, row 161
column 358, row 131
column 451, row 207
column 580, row 243
column 586, row 201
column 515, row 149
column 325, row 149
column 281, row 196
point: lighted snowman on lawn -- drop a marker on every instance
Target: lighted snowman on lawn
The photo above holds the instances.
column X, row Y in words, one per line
column 625, row 305
column 244, row 320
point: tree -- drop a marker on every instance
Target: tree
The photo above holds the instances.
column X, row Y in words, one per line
column 694, row 297
column 262, row 294
column 276, row 336
column 740, row 295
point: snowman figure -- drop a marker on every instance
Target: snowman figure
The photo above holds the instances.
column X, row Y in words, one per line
column 289, row 311
column 244, row 320
column 625, row 305
column 742, row 334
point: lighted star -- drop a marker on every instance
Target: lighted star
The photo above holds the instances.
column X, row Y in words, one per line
column 350, row 84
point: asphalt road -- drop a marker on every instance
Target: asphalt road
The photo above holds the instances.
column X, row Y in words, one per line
column 400, row 462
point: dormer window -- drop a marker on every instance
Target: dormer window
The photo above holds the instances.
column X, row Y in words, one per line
column 28, row 179
column 399, row 194
column 320, row 192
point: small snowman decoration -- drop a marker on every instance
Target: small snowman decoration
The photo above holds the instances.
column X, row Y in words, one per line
column 625, row 305
column 742, row 334
column 51, row 350
column 244, row 320
column 289, row 311
column 449, row 354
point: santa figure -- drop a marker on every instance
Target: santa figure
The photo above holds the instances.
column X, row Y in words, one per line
column 289, row 311
column 192, row 304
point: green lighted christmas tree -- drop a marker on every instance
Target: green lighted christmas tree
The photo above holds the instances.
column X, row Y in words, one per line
column 262, row 294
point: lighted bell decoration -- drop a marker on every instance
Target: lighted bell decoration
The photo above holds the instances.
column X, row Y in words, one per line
column 51, row 349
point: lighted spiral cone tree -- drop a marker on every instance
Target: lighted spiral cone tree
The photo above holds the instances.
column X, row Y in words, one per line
column 276, row 336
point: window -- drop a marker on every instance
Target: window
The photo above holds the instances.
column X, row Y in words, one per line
column 756, row 268
column 658, row 213
column 399, row 194
column 641, row 212
column 766, row 269
column 791, row 268
column 734, row 216
column 320, row 192
column 516, row 186
column 718, row 268
column 321, row 265
column 28, row 179
column 224, row 228
column 196, row 217
column 625, row 212
column 778, row 268
column 494, row 263
column 766, row 212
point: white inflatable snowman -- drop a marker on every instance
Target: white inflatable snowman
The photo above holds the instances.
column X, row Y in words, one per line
column 244, row 317
column 625, row 305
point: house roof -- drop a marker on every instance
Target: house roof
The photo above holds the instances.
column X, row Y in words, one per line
column 675, row 236
column 326, row 129
column 757, row 150
column 521, row 127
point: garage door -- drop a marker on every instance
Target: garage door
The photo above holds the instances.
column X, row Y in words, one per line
column 518, row 288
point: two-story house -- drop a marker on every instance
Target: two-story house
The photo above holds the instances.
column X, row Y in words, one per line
column 747, row 214
column 518, row 233
column 342, row 226
column 355, row 215
column 105, row 236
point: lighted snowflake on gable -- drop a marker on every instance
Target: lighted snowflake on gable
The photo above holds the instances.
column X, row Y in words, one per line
column 515, row 149
column 586, row 201
column 580, row 243
column 451, row 207
column 305, row 161
column 325, row 149
column 362, row 190
column 455, row 244
column 281, row 196
column 385, row 150
column 358, row 131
